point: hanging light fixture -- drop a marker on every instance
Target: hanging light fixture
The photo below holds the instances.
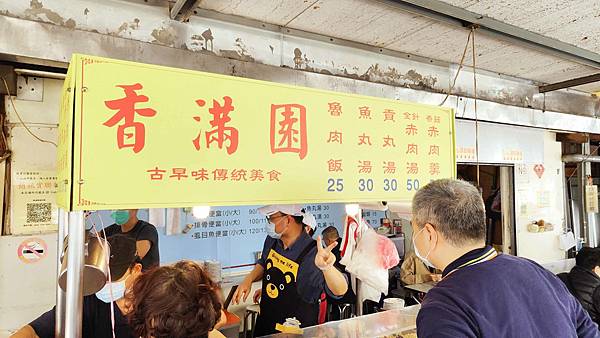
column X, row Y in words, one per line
column 352, row 209
column 201, row 212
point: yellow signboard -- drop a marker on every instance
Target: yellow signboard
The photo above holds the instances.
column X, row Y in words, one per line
column 64, row 163
column 147, row 136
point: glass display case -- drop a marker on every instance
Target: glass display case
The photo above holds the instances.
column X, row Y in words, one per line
column 386, row 324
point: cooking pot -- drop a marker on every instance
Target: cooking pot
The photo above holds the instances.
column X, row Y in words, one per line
column 95, row 270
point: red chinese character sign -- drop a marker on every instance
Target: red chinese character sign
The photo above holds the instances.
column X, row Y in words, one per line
column 130, row 134
column 220, row 133
column 288, row 129
column 151, row 136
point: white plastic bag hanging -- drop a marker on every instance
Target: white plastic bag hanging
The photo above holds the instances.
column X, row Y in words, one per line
column 374, row 255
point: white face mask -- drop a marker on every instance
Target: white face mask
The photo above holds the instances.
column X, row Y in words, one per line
column 424, row 259
column 118, row 291
column 271, row 230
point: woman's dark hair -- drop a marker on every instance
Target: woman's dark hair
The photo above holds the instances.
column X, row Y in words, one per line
column 174, row 301
column 588, row 258
column 300, row 219
column 311, row 231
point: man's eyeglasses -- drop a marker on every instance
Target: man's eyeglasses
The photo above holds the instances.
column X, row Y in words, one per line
column 273, row 217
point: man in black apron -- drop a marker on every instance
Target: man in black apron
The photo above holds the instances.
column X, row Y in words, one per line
column 294, row 269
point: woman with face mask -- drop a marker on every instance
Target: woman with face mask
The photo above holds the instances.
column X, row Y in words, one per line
column 125, row 268
column 295, row 270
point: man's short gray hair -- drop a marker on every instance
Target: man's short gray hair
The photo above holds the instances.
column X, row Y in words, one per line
column 455, row 208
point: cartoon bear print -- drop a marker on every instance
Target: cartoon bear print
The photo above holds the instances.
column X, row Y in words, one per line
column 277, row 281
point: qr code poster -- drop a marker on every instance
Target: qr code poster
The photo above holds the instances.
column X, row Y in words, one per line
column 33, row 202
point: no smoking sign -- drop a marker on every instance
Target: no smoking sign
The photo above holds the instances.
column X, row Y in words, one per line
column 32, row 250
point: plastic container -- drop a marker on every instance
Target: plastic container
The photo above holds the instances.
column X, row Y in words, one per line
column 393, row 303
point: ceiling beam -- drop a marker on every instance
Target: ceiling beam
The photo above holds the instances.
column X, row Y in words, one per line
column 444, row 12
column 570, row 83
column 572, row 138
column 577, row 137
column 182, row 10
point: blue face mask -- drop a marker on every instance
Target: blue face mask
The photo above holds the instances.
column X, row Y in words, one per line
column 120, row 216
column 118, row 291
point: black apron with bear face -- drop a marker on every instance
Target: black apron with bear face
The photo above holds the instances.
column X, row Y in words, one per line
column 280, row 299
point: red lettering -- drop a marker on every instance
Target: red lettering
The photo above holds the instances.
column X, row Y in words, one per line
column 388, row 141
column 220, row 132
column 434, row 150
column 388, row 115
column 364, row 139
column 434, row 168
column 411, row 130
column 288, row 129
column 335, row 108
column 274, row 175
column 256, row 175
column 335, row 137
column 389, row 167
column 335, row 165
column 365, row 112
column 156, row 174
column 412, row 149
column 129, row 129
column 412, row 168
column 364, row 167
column 238, row 175
column 220, row 174
column 179, row 173
column 433, row 132
column 200, row 175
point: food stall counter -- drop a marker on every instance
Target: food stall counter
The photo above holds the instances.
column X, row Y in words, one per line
column 386, row 324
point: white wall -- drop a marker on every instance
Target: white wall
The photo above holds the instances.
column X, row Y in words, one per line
column 26, row 290
column 535, row 198
column 37, row 105
column 540, row 198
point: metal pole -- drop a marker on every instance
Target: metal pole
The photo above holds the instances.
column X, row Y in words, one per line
column 75, row 259
column 581, row 182
column 359, row 303
column 568, row 225
column 509, row 244
column 59, row 328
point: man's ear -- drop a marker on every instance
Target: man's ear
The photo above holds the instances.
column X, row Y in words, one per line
column 137, row 268
column 430, row 230
column 433, row 233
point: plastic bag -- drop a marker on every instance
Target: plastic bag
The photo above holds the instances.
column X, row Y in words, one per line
column 374, row 255
column 367, row 292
